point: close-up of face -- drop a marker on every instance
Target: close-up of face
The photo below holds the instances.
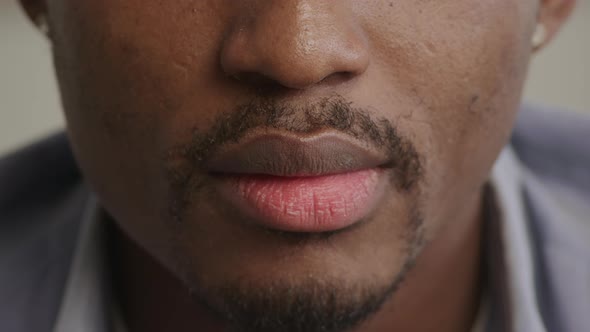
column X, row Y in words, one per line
column 281, row 156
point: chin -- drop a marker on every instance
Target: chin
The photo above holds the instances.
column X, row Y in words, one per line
column 296, row 301
column 297, row 283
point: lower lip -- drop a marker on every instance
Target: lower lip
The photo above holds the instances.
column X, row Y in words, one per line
column 305, row 204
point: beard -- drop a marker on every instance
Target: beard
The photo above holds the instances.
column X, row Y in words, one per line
column 310, row 305
column 301, row 302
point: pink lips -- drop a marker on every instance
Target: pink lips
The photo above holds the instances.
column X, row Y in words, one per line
column 300, row 183
column 305, row 204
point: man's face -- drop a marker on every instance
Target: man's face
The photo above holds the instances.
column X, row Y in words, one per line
column 172, row 106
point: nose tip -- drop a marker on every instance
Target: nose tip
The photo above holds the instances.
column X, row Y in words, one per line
column 295, row 49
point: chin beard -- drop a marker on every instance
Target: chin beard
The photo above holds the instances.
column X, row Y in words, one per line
column 306, row 304
column 310, row 305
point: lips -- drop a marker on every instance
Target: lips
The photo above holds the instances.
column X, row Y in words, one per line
column 320, row 183
column 283, row 155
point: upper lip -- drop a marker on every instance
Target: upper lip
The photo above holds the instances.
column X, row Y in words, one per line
column 280, row 154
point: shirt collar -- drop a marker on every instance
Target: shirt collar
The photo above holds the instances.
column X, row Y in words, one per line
column 517, row 253
column 87, row 303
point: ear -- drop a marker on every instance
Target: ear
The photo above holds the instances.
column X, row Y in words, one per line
column 552, row 15
column 35, row 9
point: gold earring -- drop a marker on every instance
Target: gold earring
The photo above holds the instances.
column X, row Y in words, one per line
column 539, row 36
column 42, row 24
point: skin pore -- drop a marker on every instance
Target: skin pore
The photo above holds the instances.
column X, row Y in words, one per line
column 154, row 89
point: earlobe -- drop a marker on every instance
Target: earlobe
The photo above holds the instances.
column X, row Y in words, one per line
column 552, row 15
column 539, row 37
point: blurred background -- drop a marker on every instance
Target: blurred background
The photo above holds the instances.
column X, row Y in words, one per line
column 30, row 107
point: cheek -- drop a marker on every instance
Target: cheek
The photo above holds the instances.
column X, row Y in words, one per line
column 124, row 67
column 127, row 59
column 473, row 95
column 458, row 67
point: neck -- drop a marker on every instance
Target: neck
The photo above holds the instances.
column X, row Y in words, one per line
column 441, row 293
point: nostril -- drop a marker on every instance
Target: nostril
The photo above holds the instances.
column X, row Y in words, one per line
column 254, row 79
column 260, row 81
column 337, row 78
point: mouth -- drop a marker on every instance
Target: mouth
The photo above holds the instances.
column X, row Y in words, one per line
column 312, row 184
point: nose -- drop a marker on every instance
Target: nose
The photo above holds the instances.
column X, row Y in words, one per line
column 294, row 44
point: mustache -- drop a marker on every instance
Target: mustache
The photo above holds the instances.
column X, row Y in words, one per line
column 333, row 113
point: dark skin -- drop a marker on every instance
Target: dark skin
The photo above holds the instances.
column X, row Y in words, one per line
column 139, row 77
